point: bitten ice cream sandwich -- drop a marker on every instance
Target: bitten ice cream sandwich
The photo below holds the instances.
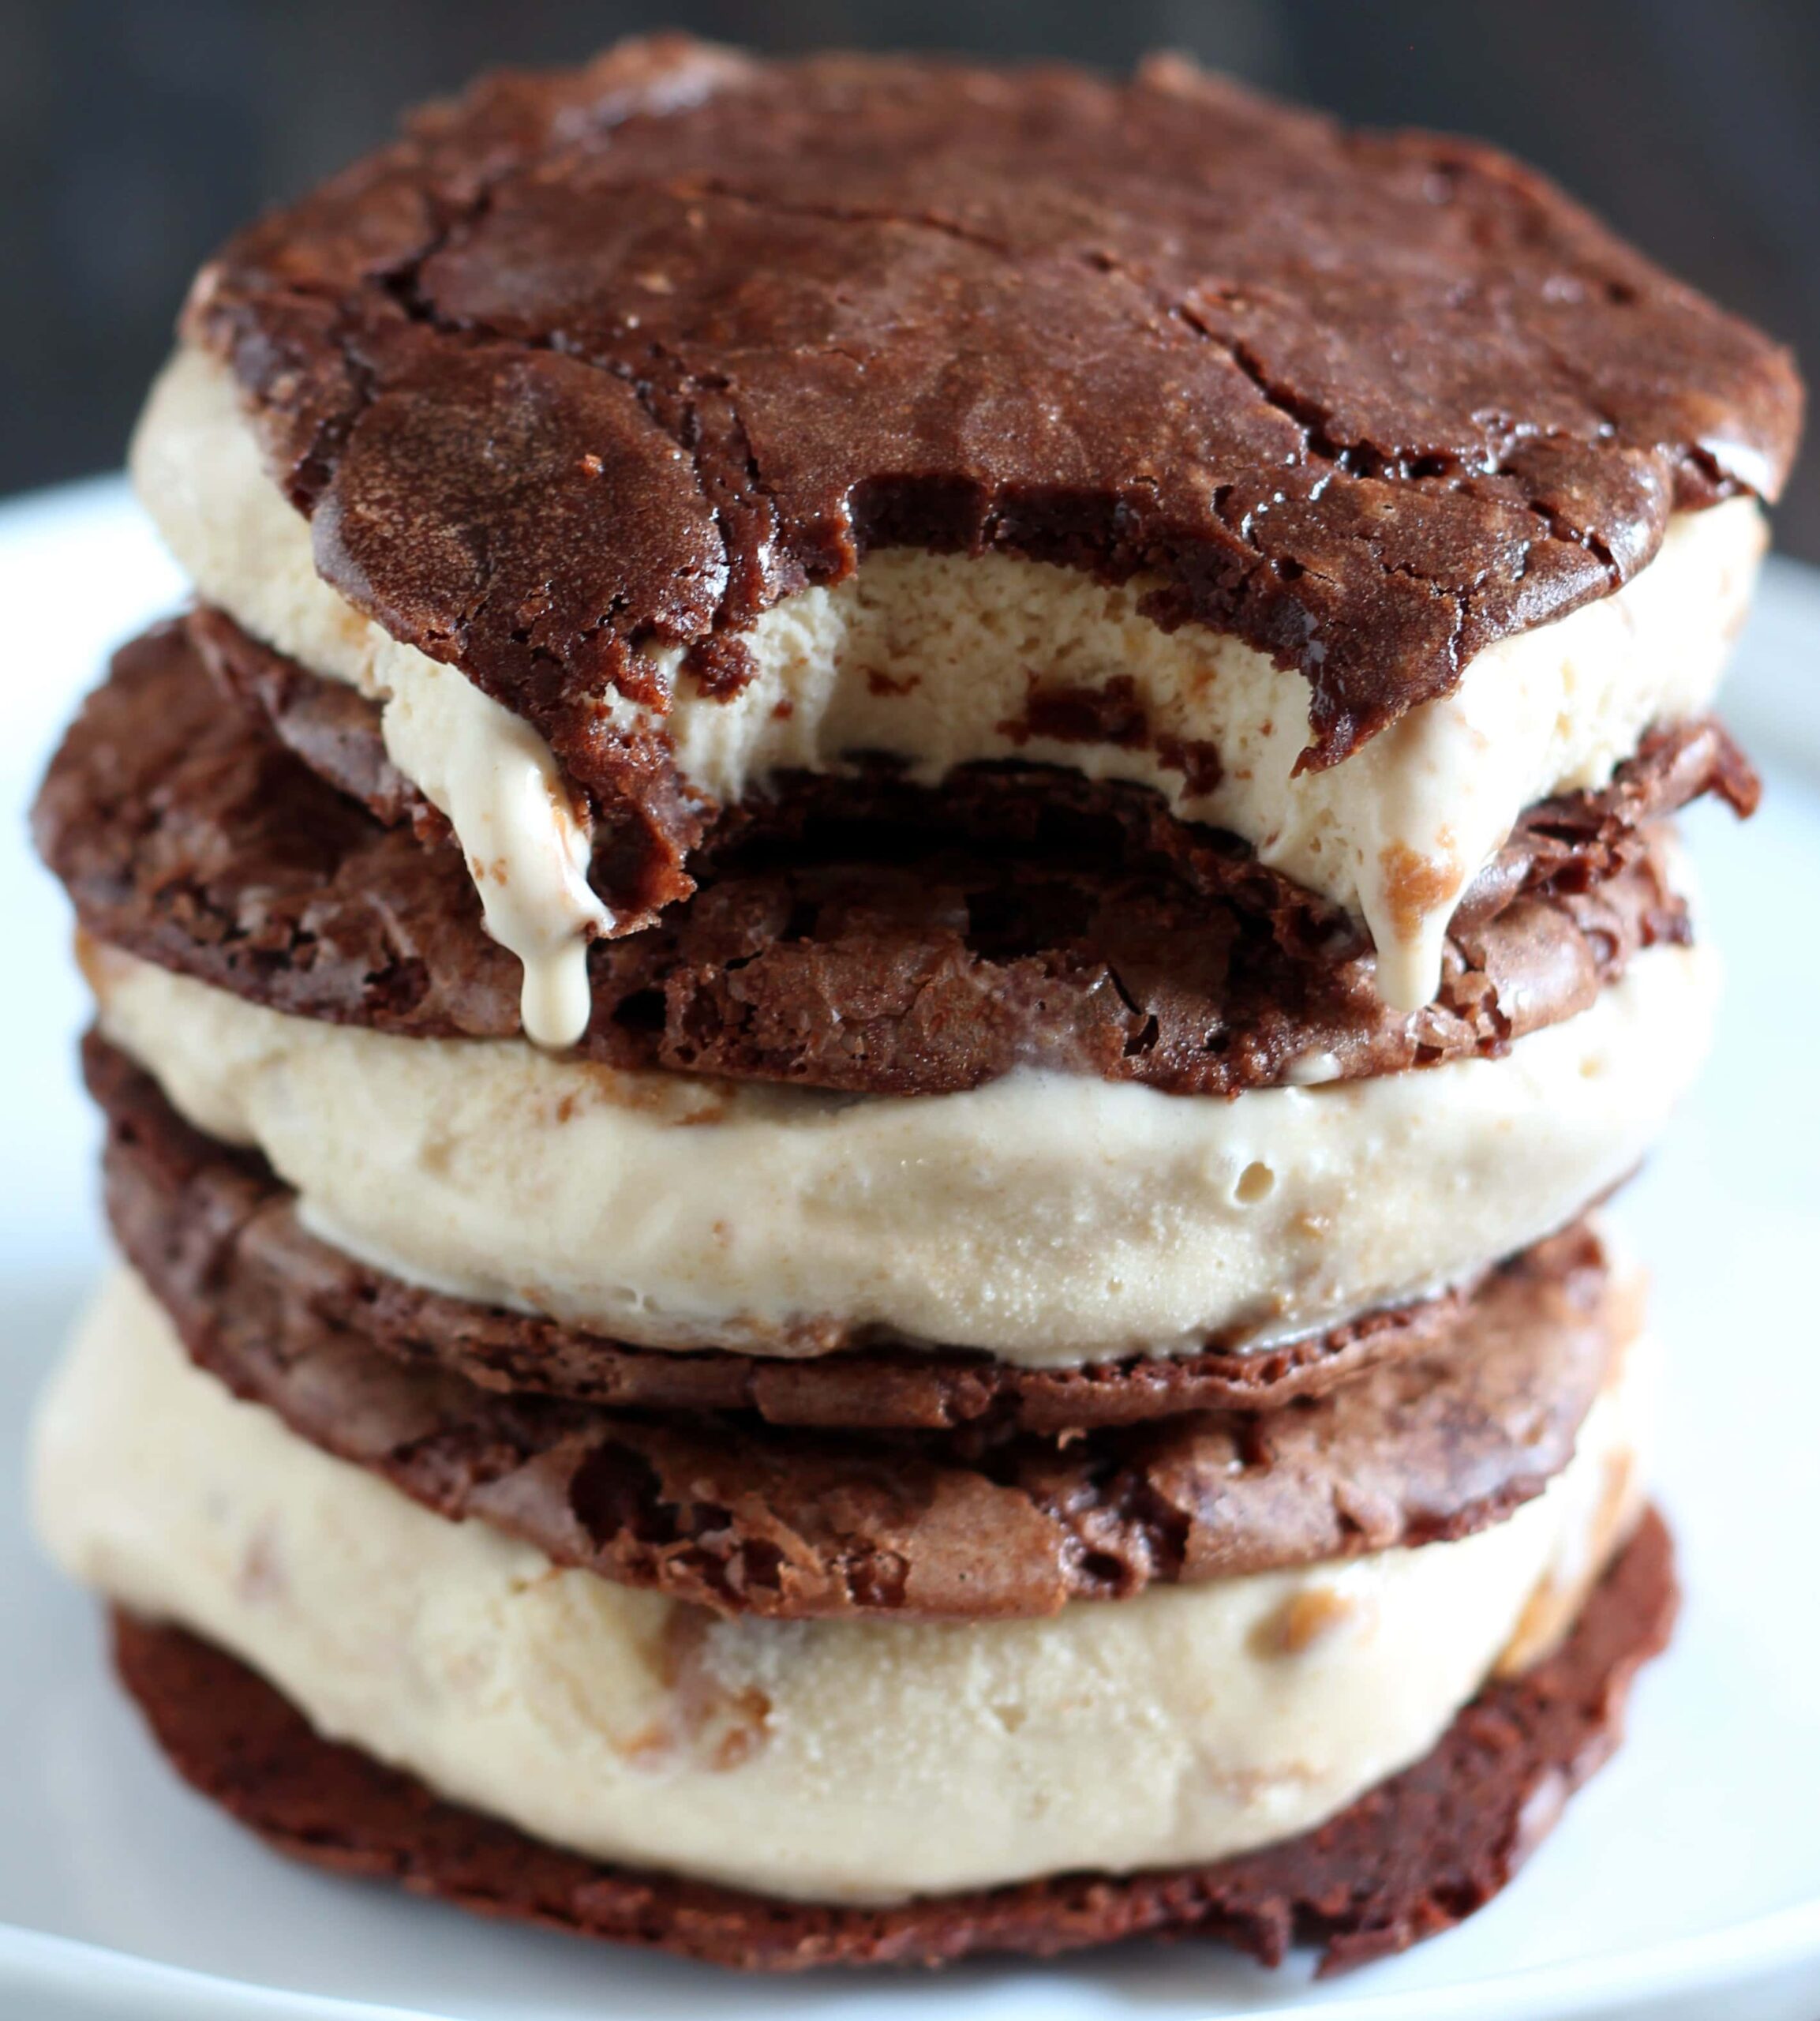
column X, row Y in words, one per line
column 860, row 983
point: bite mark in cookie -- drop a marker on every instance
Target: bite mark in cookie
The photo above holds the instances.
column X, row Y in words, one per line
column 1324, row 421
column 858, row 933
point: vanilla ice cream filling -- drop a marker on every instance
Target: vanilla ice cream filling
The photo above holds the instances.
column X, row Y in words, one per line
column 1048, row 1218
column 839, row 1761
column 934, row 658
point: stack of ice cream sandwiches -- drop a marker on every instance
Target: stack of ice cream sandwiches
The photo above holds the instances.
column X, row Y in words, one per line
column 860, row 981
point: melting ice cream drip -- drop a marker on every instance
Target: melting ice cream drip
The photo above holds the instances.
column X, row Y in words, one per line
column 527, row 848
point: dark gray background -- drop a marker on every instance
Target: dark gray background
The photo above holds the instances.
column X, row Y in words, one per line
column 135, row 134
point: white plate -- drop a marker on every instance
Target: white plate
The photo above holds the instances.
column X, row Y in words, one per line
column 1686, row 1880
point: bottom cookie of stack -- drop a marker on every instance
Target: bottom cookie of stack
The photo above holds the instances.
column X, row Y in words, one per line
column 1279, row 1755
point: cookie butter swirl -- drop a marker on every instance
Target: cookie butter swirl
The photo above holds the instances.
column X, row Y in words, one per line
column 939, row 660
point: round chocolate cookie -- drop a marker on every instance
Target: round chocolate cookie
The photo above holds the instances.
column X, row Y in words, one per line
column 858, row 934
column 801, row 1524
column 1409, row 1859
column 685, row 332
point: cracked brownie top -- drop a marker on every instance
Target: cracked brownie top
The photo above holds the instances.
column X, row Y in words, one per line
column 591, row 363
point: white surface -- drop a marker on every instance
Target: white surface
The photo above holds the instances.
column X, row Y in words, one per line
column 1690, row 1866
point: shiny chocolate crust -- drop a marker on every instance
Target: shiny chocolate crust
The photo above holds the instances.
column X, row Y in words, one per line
column 854, row 933
column 725, row 1511
column 593, row 362
column 1409, row 1859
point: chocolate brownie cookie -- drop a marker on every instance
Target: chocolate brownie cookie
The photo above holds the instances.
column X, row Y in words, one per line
column 685, row 332
column 1409, row 1859
column 858, row 934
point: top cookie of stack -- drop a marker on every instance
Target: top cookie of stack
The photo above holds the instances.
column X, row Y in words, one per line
column 878, row 745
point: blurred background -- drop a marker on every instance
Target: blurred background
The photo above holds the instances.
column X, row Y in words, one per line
column 135, row 134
